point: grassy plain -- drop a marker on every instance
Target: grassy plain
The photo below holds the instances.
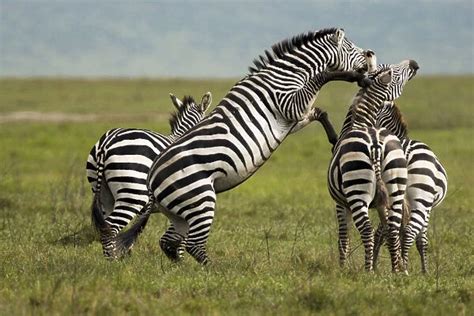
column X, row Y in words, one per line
column 274, row 240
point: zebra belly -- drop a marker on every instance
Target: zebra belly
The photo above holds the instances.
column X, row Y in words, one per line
column 228, row 182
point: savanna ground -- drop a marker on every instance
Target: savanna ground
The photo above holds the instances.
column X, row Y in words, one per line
column 274, row 240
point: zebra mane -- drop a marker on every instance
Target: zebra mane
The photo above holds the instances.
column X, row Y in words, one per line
column 397, row 116
column 279, row 50
column 176, row 116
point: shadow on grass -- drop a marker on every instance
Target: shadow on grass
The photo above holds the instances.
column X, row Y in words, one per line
column 82, row 237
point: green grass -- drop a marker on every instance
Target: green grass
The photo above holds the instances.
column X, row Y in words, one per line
column 273, row 242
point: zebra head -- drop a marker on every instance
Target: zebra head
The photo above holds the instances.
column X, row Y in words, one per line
column 188, row 113
column 389, row 79
column 346, row 56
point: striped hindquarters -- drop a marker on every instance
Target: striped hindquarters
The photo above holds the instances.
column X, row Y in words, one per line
column 122, row 159
column 427, row 179
column 354, row 165
column 96, row 156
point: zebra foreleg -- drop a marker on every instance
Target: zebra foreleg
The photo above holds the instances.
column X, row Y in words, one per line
column 350, row 76
column 322, row 117
column 313, row 115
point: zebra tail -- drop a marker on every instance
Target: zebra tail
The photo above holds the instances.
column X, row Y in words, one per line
column 381, row 193
column 405, row 212
column 105, row 231
column 98, row 220
column 124, row 241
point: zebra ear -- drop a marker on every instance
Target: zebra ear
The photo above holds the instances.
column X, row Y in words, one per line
column 386, row 77
column 338, row 37
column 206, row 101
column 176, row 102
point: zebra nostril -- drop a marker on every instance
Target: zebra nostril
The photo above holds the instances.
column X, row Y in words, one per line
column 414, row 65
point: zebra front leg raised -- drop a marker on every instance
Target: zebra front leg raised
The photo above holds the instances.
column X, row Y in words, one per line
column 314, row 114
column 331, row 134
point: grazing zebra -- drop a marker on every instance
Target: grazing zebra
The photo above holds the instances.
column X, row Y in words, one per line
column 426, row 186
column 368, row 167
column 239, row 135
column 122, row 158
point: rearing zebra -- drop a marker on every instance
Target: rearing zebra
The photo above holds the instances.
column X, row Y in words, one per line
column 426, row 186
column 239, row 135
column 118, row 164
column 368, row 167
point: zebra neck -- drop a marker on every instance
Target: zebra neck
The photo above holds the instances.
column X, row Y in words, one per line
column 391, row 118
column 177, row 132
column 347, row 125
column 364, row 111
column 298, row 84
column 297, row 103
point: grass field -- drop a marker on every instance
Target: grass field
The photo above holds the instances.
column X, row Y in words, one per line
column 273, row 242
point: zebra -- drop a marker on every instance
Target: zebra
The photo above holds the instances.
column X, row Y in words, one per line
column 368, row 166
column 239, row 136
column 118, row 164
column 426, row 186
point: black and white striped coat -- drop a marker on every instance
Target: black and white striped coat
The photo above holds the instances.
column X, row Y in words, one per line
column 368, row 167
column 239, row 135
column 426, row 186
column 118, row 165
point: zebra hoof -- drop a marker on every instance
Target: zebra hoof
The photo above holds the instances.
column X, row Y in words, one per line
column 172, row 250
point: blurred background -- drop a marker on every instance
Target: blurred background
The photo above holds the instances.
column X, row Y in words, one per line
column 219, row 38
column 71, row 69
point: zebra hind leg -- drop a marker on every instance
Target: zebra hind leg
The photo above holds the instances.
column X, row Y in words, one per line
column 106, row 232
column 124, row 241
column 173, row 244
column 343, row 242
column 408, row 238
column 199, row 227
column 379, row 240
column 422, row 247
column 362, row 222
column 393, row 238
